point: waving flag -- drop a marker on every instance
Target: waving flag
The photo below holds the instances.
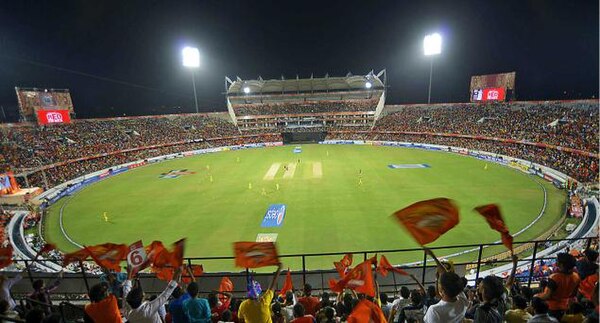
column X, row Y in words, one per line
column 287, row 285
column 255, row 254
column 226, row 286
column 197, row 271
column 492, row 215
column 343, row 265
column 160, row 257
column 6, row 254
column 360, row 279
column 428, row 220
column 167, row 273
column 108, row 255
column 366, row 312
column 385, row 266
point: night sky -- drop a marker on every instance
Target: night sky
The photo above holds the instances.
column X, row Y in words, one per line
column 123, row 57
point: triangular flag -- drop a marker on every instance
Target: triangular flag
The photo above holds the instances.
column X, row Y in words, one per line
column 385, row 266
column 287, row 285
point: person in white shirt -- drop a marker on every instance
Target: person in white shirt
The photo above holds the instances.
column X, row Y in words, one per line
column 5, row 286
column 454, row 303
column 139, row 311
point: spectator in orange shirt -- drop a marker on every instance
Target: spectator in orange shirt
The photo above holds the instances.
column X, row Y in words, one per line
column 103, row 307
column 562, row 285
column 310, row 303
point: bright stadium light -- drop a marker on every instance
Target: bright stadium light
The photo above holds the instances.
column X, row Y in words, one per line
column 432, row 45
column 246, row 89
column 368, row 85
column 191, row 59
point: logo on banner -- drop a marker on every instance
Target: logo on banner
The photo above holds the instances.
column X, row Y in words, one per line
column 274, row 216
column 54, row 117
column 137, row 258
column 493, row 95
column 175, row 173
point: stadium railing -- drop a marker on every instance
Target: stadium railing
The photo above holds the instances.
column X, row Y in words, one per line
column 470, row 264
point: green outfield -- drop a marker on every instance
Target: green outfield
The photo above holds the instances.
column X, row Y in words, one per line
column 338, row 197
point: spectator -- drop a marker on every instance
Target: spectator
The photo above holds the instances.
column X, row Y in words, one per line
column 310, row 303
column 519, row 313
column 561, row 286
column 138, row 310
column 226, row 317
column 414, row 312
column 300, row 316
column 540, row 309
column 103, row 307
column 176, row 306
column 256, row 309
column 6, row 285
column 574, row 314
column 276, row 314
column 195, row 308
column 386, row 306
column 398, row 304
column 491, row 290
column 41, row 293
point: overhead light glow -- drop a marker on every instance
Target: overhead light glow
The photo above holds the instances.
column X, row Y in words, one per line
column 432, row 44
column 368, row 85
column 191, row 57
column 246, row 90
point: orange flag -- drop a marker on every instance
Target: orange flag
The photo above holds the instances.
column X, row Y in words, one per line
column 492, row 215
column 167, row 273
column 197, row 271
column 255, row 254
column 287, row 285
column 6, row 256
column 428, row 220
column 108, row 255
column 385, row 266
column 226, row 285
column 342, row 265
column 360, row 279
column 159, row 256
column 366, row 312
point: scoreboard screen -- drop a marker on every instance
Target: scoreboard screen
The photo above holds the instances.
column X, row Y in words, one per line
column 45, row 106
column 489, row 94
column 492, row 87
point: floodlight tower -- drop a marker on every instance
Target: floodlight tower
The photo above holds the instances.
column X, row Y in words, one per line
column 191, row 59
column 432, row 45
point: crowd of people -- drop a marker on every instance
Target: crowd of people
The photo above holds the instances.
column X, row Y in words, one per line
column 254, row 109
column 572, row 125
column 570, row 294
column 111, row 141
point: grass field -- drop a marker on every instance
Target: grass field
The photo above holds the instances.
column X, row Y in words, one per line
column 328, row 210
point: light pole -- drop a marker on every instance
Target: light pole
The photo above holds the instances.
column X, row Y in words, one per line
column 191, row 59
column 432, row 45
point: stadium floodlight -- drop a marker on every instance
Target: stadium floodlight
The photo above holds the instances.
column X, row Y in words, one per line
column 368, row 85
column 246, row 89
column 432, row 45
column 191, row 59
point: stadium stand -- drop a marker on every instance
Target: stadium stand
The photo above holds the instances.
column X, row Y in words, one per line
column 560, row 135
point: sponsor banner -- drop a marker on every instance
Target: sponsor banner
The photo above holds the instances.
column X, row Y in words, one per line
column 408, row 166
column 135, row 165
column 274, row 216
column 266, row 237
column 53, row 116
